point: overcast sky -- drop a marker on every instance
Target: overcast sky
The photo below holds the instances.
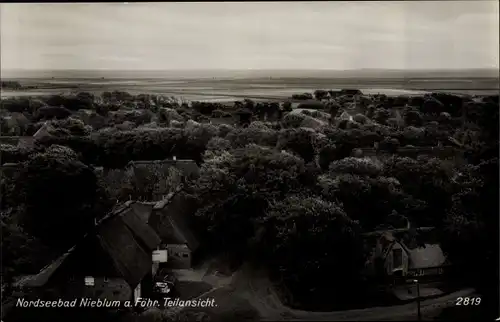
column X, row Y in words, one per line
column 259, row 35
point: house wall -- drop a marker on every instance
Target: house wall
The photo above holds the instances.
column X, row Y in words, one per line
column 179, row 256
column 389, row 261
column 147, row 285
column 104, row 288
column 154, row 268
column 137, row 292
column 115, row 289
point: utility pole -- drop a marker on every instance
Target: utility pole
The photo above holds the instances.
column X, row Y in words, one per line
column 415, row 281
column 418, row 300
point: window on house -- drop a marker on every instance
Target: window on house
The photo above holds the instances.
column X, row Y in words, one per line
column 89, row 281
column 185, row 255
column 397, row 258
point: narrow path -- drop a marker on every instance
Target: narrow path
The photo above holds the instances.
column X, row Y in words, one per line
column 257, row 289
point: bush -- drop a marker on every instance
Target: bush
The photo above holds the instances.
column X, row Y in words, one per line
column 52, row 112
column 13, row 154
column 360, row 118
column 299, row 141
column 389, row 144
column 72, row 126
column 293, row 120
column 332, row 235
column 218, row 113
column 304, row 96
column 311, row 105
column 320, row 94
column 358, row 166
column 18, row 105
column 69, row 200
column 251, row 135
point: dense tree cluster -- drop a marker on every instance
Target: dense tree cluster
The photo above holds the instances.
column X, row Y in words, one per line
column 10, row 85
column 294, row 187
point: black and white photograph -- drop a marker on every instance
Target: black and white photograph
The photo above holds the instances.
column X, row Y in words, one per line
column 249, row 161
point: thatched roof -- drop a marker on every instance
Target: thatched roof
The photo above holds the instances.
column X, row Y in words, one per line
column 311, row 104
column 120, row 246
column 242, row 111
column 169, row 217
column 19, row 141
column 189, row 168
column 44, row 275
column 426, row 257
column 170, row 220
column 43, row 131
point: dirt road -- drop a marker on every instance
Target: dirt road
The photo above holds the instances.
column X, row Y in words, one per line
column 256, row 288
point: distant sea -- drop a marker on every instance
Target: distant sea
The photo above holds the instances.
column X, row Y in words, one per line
column 224, row 85
column 245, row 74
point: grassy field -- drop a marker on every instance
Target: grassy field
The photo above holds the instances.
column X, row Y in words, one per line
column 255, row 88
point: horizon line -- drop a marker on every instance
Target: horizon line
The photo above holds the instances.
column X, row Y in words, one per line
column 248, row 69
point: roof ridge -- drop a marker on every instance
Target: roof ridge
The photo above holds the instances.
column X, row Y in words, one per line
column 165, row 201
column 158, row 161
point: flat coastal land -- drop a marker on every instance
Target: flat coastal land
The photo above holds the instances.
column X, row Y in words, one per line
column 219, row 87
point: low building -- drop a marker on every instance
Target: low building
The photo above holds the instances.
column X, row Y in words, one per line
column 189, row 168
column 11, row 170
column 245, row 116
column 395, row 260
column 169, row 218
column 113, row 262
column 44, row 131
column 18, row 141
column 166, row 174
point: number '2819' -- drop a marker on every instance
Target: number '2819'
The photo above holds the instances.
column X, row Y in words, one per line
column 468, row 301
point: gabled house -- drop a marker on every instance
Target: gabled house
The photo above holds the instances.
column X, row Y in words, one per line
column 18, row 141
column 394, row 258
column 169, row 218
column 43, row 131
column 112, row 262
column 350, row 92
column 189, row 168
column 161, row 173
column 10, row 170
column 245, row 116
